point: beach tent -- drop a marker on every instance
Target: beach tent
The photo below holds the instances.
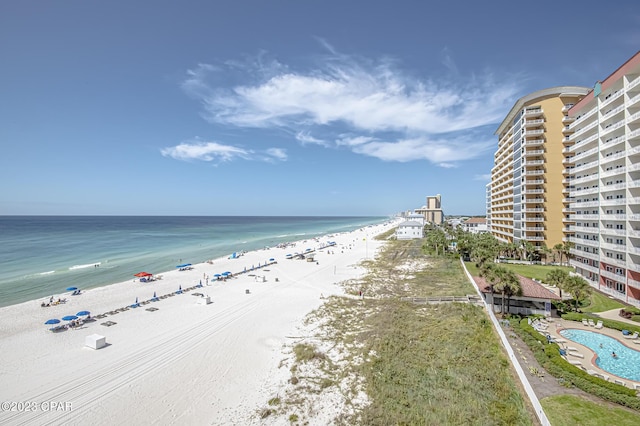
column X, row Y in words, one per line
column 142, row 274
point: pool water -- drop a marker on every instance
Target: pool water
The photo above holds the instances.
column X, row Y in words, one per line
column 627, row 362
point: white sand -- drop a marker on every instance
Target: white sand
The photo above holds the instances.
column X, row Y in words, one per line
column 184, row 363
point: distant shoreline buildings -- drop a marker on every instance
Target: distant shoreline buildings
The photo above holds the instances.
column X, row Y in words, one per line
column 567, row 170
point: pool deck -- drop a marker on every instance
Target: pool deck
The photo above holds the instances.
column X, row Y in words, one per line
column 583, row 357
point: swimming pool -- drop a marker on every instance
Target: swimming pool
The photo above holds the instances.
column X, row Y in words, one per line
column 626, row 365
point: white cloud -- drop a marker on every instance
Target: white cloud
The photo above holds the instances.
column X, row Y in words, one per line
column 306, row 138
column 277, row 153
column 485, row 177
column 213, row 151
column 386, row 113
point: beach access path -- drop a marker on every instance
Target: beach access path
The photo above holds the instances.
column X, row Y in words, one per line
column 185, row 362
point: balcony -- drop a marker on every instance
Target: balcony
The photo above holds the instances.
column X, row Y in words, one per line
column 611, row 142
column 611, row 231
column 533, row 200
column 533, row 141
column 536, row 229
column 612, row 98
column 585, row 267
column 613, row 217
column 534, row 172
column 534, row 238
column 616, row 247
column 611, row 127
column 533, row 112
column 567, row 130
column 633, row 117
column 534, row 163
column 568, row 119
column 613, row 276
column 567, row 107
column 534, row 123
column 585, row 254
column 534, row 153
column 532, row 191
column 613, row 172
column 533, row 219
column 533, row 132
column 568, row 160
column 633, row 283
column 534, row 210
column 534, row 182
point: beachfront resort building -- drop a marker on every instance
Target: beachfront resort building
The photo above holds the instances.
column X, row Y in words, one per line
column 475, row 225
column 535, row 299
column 603, row 169
column 432, row 211
column 526, row 193
column 410, row 229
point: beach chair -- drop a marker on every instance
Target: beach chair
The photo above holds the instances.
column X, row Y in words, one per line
column 599, row 324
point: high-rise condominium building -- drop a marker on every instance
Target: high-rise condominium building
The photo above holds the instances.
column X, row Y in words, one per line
column 432, row 211
column 526, row 189
column 603, row 167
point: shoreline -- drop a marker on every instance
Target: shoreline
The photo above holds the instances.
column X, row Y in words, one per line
column 37, row 281
column 185, row 361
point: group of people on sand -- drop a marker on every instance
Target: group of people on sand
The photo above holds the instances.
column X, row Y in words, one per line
column 52, row 302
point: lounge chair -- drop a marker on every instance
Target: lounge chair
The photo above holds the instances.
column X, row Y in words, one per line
column 619, row 382
column 599, row 324
column 591, row 323
column 585, row 322
column 633, row 336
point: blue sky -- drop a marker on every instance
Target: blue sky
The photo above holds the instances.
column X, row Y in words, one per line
column 277, row 107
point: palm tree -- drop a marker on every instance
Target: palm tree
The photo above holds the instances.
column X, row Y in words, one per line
column 558, row 248
column 545, row 251
column 566, row 249
column 557, row 277
column 508, row 286
column 485, row 248
column 491, row 274
column 578, row 287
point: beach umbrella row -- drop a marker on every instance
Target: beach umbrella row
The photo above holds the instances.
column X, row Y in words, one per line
column 67, row 318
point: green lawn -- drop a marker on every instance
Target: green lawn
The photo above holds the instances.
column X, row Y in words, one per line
column 601, row 302
column 538, row 272
column 570, row 410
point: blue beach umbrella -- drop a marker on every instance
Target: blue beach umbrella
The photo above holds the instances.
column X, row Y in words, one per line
column 217, row 275
column 70, row 318
column 83, row 313
column 72, row 288
column 271, row 260
column 52, row 321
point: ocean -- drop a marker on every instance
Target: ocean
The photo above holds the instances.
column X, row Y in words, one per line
column 41, row 256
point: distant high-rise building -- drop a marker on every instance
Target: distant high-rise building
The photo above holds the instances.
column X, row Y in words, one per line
column 603, row 170
column 432, row 211
column 526, row 188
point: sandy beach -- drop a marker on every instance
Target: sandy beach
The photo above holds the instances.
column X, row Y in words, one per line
column 183, row 363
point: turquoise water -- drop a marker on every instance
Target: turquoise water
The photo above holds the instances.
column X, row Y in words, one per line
column 627, row 362
column 43, row 255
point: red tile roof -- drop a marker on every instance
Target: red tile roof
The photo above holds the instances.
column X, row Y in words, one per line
column 530, row 288
column 476, row 220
